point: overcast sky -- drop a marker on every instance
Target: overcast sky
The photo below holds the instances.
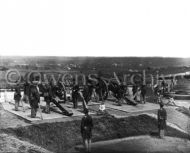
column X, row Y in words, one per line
column 95, row 27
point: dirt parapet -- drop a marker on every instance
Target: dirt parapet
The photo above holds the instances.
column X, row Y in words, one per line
column 61, row 136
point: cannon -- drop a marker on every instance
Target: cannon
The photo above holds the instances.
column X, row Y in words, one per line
column 57, row 94
column 101, row 90
column 120, row 92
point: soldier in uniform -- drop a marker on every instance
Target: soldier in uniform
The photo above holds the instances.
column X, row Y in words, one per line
column 134, row 89
column 100, row 87
column 26, row 92
column 34, row 98
column 47, row 97
column 61, row 91
column 17, row 97
column 86, row 130
column 143, row 93
column 75, row 94
column 162, row 117
column 53, row 86
column 137, row 95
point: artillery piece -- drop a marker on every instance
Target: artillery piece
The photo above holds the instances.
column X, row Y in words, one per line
column 57, row 96
column 120, row 91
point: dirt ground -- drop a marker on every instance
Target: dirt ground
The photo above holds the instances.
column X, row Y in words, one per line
column 61, row 136
column 140, row 144
column 10, row 144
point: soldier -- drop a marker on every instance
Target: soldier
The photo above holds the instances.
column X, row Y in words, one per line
column 53, row 86
column 26, row 92
column 121, row 91
column 100, row 87
column 89, row 91
column 61, row 91
column 34, row 98
column 164, row 84
column 134, row 89
column 75, row 94
column 162, row 117
column 17, row 97
column 143, row 93
column 137, row 95
column 47, row 97
column 86, row 130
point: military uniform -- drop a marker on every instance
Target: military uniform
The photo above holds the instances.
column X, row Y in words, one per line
column 86, row 127
column 162, row 117
column 100, row 87
column 137, row 95
column 47, row 97
column 143, row 93
column 17, row 97
column 86, row 131
column 34, row 99
column 75, row 95
column 26, row 92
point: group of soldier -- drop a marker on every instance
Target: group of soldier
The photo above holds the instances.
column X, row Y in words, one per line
column 31, row 95
column 50, row 90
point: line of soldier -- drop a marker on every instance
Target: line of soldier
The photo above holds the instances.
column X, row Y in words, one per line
column 32, row 93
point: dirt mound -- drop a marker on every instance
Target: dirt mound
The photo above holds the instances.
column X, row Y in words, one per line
column 61, row 136
column 143, row 144
column 9, row 144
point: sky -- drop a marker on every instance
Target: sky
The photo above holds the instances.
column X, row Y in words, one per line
column 95, row 28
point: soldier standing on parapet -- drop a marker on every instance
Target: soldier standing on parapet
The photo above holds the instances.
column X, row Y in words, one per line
column 34, row 98
column 47, row 97
column 17, row 97
column 162, row 117
column 86, row 130
column 143, row 93
column 137, row 95
column 100, row 87
column 26, row 92
column 75, row 95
